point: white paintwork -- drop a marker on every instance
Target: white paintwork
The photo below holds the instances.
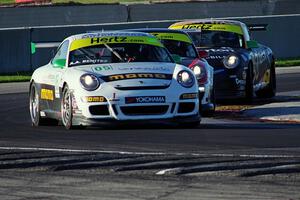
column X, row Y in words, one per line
column 57, row 77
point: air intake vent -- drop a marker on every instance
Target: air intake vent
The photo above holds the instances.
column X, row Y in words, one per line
column 144, row 110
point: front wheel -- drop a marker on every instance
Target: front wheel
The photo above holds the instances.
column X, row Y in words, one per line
column 270, row 90
column 66, row 108
column 249, row 90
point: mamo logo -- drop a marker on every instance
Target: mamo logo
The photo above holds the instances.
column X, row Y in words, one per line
column 118, row 77
column 145, row 99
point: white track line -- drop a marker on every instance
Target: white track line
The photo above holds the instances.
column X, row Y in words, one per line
column 146, row 153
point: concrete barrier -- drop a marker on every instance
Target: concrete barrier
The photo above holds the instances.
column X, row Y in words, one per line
column 15, row 50
column 61, row 15
column 193, row 10
column 89, row 14
column 142, row 12
column 282, row 35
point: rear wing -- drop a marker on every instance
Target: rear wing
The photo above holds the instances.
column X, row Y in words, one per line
column 257, row 27
column 37, row 45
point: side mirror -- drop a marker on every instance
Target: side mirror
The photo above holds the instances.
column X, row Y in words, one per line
column 252, row 44
column 59, row 63
column 203, row 54
column 176, row 58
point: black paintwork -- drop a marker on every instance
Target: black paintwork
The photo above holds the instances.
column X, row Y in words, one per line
column 230, row 83
column 52, row 108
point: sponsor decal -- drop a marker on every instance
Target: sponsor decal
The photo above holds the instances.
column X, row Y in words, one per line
column 145, row 99
column 86, row 42
column 104, row 68
column 189, row 96
column 267, row 76
column 215, row 57
column 47, row 94
column 173, row 36
column 211, row 27
column 90, row 99
column 117, row 77
column 113, row 34
column 239, row 82
column 220, row 50
column 145, row 68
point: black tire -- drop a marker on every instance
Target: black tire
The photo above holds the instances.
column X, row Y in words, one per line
column 210, row 113
column 66, row 108
column 249, row 90
column 270, row 90
column 34, row 108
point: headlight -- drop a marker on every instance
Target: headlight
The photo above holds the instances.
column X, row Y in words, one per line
column 89, row 82
column 197, row 70
column 185, row 78
column 200, row 73
column 231, row 61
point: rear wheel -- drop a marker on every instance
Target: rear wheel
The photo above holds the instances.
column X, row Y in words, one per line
column 270, row 90
column 34, row 107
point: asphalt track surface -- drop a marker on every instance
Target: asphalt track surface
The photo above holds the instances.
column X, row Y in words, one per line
column 213, row 135
column 220, row 159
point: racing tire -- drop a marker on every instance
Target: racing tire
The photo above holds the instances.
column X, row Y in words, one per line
column 249, row 90
column 66, row 108
column 270, row 90
column 34, row 108
column 211, row 112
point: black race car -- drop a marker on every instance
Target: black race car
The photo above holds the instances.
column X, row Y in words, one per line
column 242, row 66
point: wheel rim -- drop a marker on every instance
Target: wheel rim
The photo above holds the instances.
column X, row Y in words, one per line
column 66, row 108
column 34, row 104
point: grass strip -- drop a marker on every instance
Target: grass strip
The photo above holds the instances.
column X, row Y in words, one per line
column 287, row 62
column 14, row 78
column 84, row 1
column 17, row 77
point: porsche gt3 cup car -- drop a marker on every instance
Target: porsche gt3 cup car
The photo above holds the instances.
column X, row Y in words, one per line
column 242, row 66
column 181, row 47
column 107, row 77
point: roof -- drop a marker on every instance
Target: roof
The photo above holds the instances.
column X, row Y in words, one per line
column 158, row 30
column 108, row 34
column 208, row 21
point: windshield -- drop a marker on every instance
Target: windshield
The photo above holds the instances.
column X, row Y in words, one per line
column 118, row 53
column 208, row 39
column 183, row 49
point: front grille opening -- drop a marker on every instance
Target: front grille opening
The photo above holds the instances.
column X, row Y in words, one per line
column 99, row 110
column 144, row 110
column 143, row 87
column 186, row 107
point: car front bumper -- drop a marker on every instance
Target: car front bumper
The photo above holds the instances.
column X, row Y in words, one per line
column 116, row 109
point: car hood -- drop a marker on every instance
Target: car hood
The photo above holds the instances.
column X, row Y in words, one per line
column 216, row 55
column 133, row 75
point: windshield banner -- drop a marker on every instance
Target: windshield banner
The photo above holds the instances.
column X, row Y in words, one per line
column 210, row 27
column 93, row 41
column 173, row 36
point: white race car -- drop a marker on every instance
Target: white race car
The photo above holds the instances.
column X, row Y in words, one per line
column 105, row 77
